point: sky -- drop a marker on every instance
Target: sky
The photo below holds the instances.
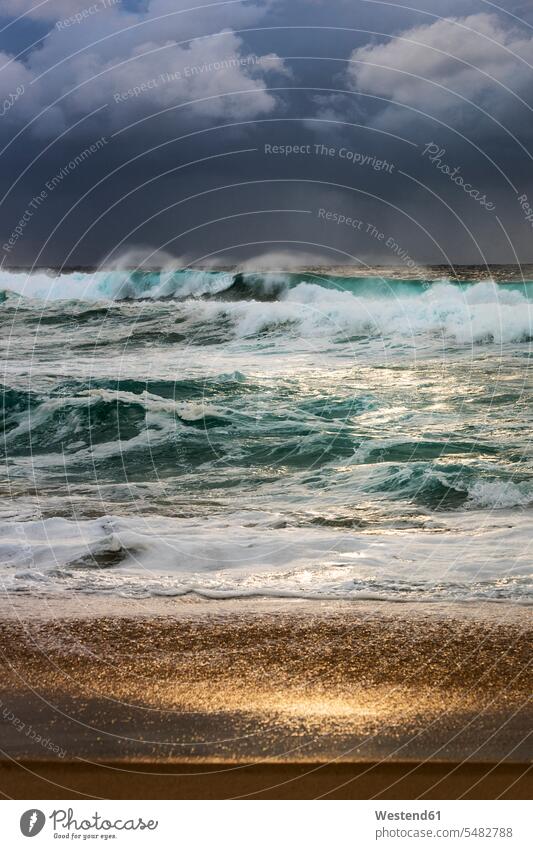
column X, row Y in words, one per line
column 343, row 132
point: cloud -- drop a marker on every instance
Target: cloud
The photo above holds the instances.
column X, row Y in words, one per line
column 435, row 67
column 137, row 64
column 207, row 74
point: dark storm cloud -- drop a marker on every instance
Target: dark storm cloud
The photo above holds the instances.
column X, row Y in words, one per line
column 237, row 128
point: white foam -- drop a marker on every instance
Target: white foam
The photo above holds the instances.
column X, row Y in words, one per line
column 499, row 494
column 112, row 285
column 483, row 312
column 239, row 555
column 193, row 411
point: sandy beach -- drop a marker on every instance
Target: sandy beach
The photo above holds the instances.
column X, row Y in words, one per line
column 264, row 699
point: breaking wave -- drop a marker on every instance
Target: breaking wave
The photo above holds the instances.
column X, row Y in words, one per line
column 247, row 305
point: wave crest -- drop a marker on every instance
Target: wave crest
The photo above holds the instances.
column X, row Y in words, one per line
column 246, row 305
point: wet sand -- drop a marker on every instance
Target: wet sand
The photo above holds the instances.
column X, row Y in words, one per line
column 282, row 700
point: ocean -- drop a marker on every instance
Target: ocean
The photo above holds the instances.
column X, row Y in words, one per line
column 305, row 434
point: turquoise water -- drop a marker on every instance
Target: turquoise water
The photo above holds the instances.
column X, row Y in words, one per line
column 266, row 434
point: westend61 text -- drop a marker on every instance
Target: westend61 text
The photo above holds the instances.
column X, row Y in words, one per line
column 407, row 815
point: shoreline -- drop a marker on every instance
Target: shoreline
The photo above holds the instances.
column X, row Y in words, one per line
column 80, row 606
